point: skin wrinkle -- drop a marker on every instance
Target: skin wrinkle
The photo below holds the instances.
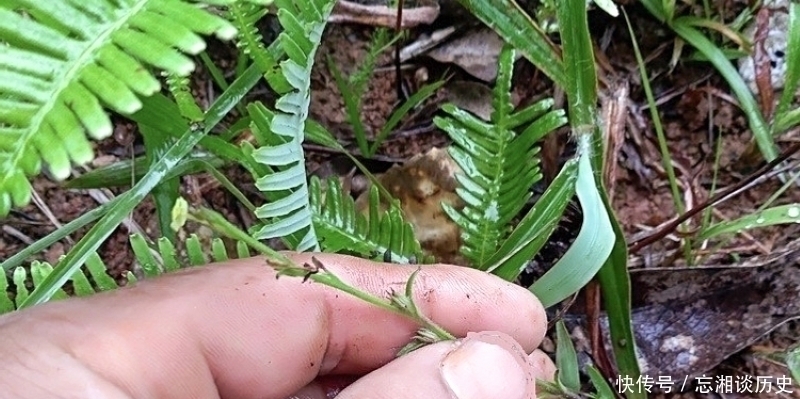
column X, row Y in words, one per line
column 82, row 342
column 173, row 311
column 308, row 323
column 26, row 382
column 325, row 345
column 138, row 339
column 363, row 339
column 358, row 328
column 336, row 349
column 17, row 354
column 85, row 338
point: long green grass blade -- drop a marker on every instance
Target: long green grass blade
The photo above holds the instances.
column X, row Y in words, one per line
column 65, row 230
column 535, row 228
column 164, row 194
column 663, row 147
column 783, row 214
column 611, row 250
column 616, row 287
column 792, row 77
column 685, row 29
column 97, row 235
column 748, row 103
column 128, row 172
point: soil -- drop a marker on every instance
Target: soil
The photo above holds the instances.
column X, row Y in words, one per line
column 696, row 106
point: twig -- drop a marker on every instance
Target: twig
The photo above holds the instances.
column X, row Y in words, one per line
column 17, row 234
column 635, row 246
column 397, row 64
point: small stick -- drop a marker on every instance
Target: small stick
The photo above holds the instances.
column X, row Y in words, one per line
column 635, row 246
column 397, row 67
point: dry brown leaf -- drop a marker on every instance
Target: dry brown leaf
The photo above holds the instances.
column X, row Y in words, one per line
column 425, row 42
column 476, row 52
column 615, row 116
column 470, row 96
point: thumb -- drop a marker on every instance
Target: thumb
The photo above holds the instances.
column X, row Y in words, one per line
column 481, row 366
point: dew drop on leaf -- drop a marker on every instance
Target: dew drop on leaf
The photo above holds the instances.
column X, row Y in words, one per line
column 492, row 213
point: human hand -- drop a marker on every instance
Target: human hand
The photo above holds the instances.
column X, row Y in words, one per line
column 235, row 331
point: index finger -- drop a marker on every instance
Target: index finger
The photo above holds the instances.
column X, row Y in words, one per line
column 238, row 330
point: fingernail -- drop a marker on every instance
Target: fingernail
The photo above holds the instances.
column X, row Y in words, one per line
column 488, row 365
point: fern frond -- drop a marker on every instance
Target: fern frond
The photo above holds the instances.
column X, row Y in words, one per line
column 164, row 260
column 63, row 61
column 244, row 17
column 283, row 132
column 287, row 215
column 81, row 286
column 499, row 166
column 181, row 91
column 384, row 234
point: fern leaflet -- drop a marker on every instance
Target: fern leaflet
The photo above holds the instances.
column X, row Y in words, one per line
column 63, row 61
column 303, row 23
column 499, row 166
column 345, row 230
column 164, row 260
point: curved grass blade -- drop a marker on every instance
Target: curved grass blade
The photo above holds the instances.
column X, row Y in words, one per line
column 613, row 275
column 783, row 214
column 591, row 248
column 684, row 29
column 604, row 391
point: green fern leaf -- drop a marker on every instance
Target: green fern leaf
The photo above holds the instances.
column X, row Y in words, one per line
column 283, row 132
column 6, row 304
column 149, row 264
column 63, row 61
column 499, row 166
column 384, row 235
column 181, row 91
column 288, row 212
column 244, row 18
column 38, row 271
column 98, row 270
column 153, row 263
